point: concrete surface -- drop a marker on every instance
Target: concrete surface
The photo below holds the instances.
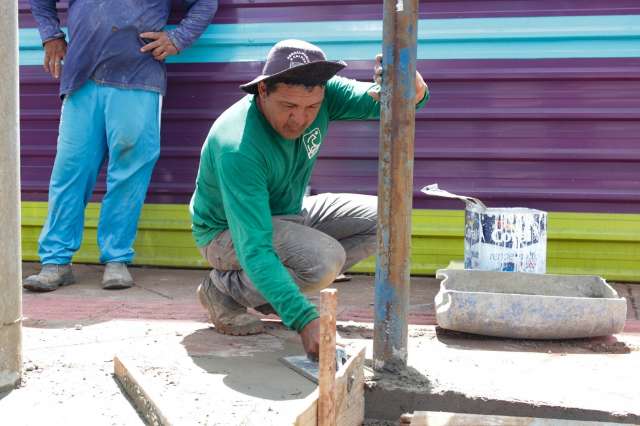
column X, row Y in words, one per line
column 584, row 379
column 528, row 306
column 71, row 335
column 441, row 418
column 10, row 302
column 67, row 376
column 200, row 377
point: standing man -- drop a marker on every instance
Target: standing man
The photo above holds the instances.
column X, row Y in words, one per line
column 112, row 83
column 267, row 244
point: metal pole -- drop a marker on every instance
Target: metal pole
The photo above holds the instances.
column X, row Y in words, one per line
column 395, row 184
column 10, row 260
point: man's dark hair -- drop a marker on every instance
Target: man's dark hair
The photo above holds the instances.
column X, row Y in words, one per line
column 308, row 81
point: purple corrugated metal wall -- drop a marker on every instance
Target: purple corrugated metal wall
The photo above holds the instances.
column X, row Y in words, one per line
column 551, row 134
column 556, row 135
column 252, row 11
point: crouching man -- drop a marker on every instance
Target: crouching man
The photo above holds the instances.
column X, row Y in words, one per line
column 266, row 242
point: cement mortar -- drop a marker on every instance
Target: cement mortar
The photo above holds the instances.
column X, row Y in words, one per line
column 67, row 377
column 200, row 376
column 221, row 380
column 204, row 377
column 70, row 337
column 588, row 379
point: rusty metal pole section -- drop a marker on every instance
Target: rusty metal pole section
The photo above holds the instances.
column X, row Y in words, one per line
column 10, row 266
column 395, row 184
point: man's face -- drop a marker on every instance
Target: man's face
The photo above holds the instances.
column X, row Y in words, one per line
column 290, row 109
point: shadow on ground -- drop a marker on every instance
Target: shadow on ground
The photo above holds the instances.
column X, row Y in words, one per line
column 251, row 364
column 473, row 342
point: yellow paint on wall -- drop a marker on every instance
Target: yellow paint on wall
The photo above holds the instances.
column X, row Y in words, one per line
column 578, row 243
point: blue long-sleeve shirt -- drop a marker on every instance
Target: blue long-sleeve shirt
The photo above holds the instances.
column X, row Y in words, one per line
column 104, row 39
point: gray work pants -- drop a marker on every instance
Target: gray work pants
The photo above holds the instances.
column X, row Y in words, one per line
column 332, row 233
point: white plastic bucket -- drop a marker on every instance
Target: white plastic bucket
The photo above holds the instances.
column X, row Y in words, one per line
column 501, row 239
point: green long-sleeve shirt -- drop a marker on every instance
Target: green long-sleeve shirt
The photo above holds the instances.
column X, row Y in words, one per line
column 249, row 173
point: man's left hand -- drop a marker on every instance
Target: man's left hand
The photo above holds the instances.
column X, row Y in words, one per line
column 421, row 86
column 160, row 47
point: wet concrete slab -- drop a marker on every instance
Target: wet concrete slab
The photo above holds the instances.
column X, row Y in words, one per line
column 585, row 379
column 67, row 375
column 202, row 377
column 441, row 418
column 207, row 378
column 71, row 335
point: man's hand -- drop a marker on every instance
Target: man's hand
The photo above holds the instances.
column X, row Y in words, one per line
column 160, row 47
column 54, row 52
column 421, row 86
column 310, row 336
column 377, row 70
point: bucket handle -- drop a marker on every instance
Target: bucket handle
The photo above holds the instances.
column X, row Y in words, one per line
column 437, row 192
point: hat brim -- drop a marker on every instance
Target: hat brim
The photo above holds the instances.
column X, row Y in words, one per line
column 315, row 71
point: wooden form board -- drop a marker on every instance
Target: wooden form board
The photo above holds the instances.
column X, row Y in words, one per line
column 327, row 362
column 139, row 391
column 349, row 389
column 439, row 418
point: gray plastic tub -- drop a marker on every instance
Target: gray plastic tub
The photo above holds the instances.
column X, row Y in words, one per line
column 528, row 306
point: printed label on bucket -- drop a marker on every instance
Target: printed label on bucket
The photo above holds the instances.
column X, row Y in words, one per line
column 501, row 239
column 506, row 240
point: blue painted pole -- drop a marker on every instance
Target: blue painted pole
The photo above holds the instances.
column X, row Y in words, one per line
column 395, row 184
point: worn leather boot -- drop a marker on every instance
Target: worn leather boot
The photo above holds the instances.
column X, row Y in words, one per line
column 227, row 315
column 49, row 278
column 116, row 276
column 266, row 309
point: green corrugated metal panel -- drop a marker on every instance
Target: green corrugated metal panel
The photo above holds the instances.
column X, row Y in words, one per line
column 164, row 236
column 578, row 243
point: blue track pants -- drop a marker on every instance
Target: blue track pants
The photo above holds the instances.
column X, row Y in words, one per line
column 100, row 122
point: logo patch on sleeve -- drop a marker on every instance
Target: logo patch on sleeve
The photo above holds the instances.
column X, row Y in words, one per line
column 312, row 140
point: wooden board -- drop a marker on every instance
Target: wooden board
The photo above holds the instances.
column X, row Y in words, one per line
column 349, row 394
column 438, row 418
column 139, row 391
column 327, row 358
